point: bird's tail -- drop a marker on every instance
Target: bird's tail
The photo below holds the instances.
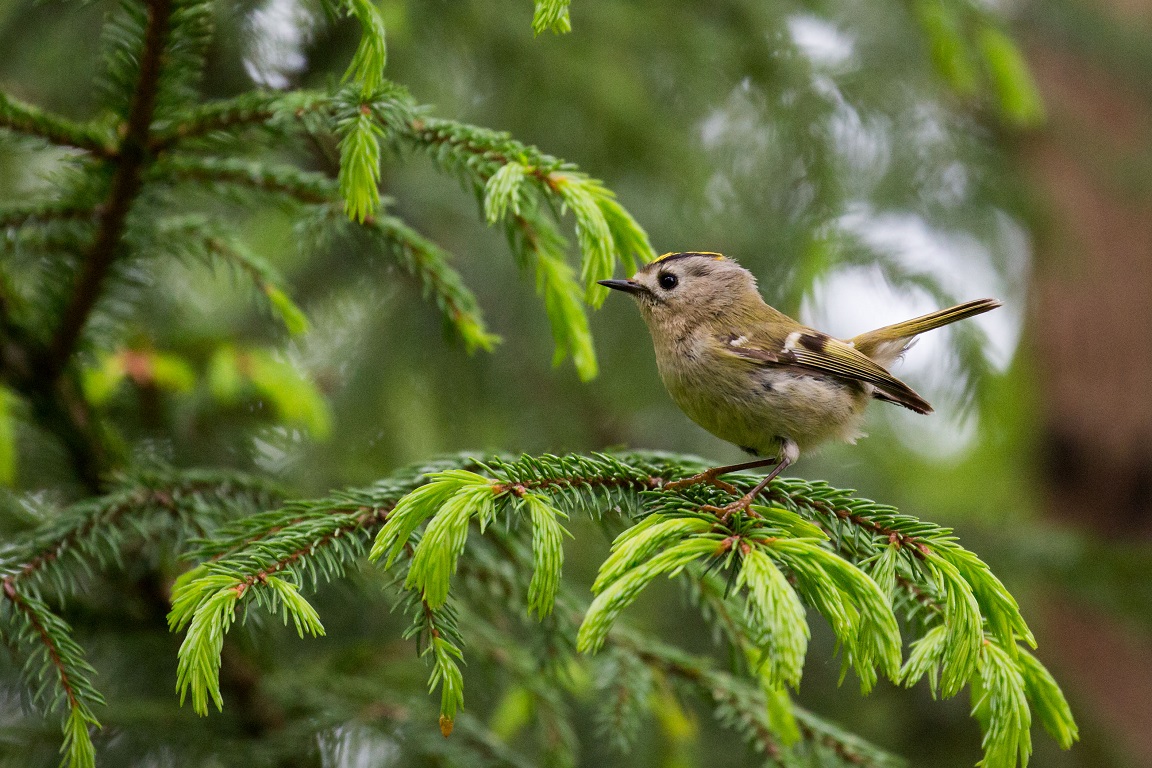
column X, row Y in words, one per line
column 883, row 339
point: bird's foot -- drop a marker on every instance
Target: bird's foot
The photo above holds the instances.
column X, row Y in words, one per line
column 708, row 476
column 743, row 504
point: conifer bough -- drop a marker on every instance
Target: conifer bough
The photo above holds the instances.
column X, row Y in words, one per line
column 861, row 565
column 460, row 530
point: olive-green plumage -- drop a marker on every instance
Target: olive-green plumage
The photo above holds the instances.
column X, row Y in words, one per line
column 755, row 377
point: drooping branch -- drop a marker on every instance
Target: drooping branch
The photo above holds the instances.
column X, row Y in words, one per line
column 24, row 118
column 94, row 532
column 748, row 709
column 35, row 619
column 249, row 110
column 739, row 702
column 131, row 160
column 17, row 216
column 303, row 186
column 30, row 626
column 429, row 264
column 774, row 559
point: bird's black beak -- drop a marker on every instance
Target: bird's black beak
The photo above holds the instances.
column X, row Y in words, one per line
column 628, row 286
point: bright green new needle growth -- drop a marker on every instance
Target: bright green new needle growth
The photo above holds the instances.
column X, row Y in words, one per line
column 811, row 548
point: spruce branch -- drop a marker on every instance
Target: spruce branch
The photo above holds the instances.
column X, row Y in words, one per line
column 367, row 66
column 419, row 256
column 288, row 533
column 739, row 704
column 196, row 235
column 189, row 36
column 131, row 160
column 263, row 559
column 360, row 138
column 517, row 181
column 435, row 631
column 92, row 534
column 303, row 186
column 630, row 659
column 821, row 551
column 40, row 213
column 19, row 117
column 55, row 670
column 541, row 246
column 274, row 112
column 605, row 231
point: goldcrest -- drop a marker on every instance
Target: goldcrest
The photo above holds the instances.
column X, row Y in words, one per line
column 755, row 377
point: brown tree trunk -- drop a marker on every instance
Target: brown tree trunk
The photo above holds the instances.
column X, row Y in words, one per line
column 1091, row 168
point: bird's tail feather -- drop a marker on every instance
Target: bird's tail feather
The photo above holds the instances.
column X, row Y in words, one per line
column 917, row 325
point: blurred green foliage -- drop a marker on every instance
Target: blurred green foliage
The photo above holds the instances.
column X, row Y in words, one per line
column 845, row 153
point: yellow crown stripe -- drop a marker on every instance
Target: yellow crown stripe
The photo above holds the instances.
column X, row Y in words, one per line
column 713, row 254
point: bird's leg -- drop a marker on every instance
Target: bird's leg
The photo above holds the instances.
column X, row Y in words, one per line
column 789, row 452
column 711, row 476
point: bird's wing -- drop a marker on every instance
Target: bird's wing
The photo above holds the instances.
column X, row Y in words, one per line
column 811, row 351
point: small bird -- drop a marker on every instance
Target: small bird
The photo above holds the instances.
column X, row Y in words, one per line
column 755, row 377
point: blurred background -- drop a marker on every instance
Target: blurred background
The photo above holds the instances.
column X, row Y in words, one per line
column 867, row 160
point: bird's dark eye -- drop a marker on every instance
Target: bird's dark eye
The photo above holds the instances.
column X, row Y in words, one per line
column 668, row 281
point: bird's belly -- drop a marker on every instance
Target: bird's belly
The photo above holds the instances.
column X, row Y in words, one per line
column 755, row 407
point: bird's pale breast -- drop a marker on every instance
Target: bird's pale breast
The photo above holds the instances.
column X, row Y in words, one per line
column 753, row 406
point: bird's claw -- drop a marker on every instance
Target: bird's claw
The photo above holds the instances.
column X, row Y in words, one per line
column 708, row 477
column 743, row 504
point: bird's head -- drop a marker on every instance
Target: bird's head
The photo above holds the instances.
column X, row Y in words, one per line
column 683, row 290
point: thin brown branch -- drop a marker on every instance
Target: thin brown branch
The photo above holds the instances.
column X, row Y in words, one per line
column 54, row 656
column 368, row 516
column 592, row 481
column 131, row 160
column 310, row 188
column 15, row 217
column 913, row 543
column 164, row 497
column 19, row 117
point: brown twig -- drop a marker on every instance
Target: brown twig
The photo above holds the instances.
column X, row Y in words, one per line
column 306, row 193
column 23, row 118
column 900, row 539
column 521, row 487
column 367, row 516
column 164, row 497
column 21, row 604
column 429, row 136
column 130, row 160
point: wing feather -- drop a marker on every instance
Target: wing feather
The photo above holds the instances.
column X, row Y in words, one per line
column 815, row 352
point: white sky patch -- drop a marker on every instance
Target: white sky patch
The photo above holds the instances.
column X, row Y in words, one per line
column 739, row 134
column 961, row 264
column 858, row 298
column 863, row 147
column 820, row 41
column 352, row 746
column 278, row 32
column 739, row 121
